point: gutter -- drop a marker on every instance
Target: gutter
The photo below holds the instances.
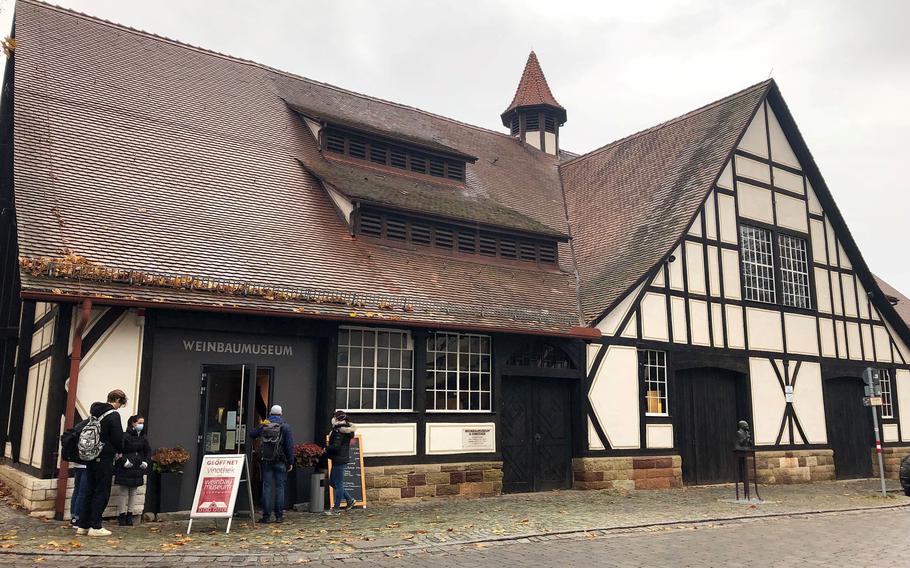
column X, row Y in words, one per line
column 75, row 361
column 577, row 332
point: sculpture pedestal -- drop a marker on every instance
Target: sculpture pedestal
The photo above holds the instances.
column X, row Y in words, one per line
column 742, row 462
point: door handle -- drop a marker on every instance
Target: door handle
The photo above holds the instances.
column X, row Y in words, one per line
column 537, row 437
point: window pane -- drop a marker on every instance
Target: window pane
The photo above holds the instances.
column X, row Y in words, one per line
column 794, row 271
column 367, row 368
column 342, row 377
column 654, row 373
column 406, row 400
column 757, row 264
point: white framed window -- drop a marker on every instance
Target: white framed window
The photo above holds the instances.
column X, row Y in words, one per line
column 794, row 271
column 375, row 370
column 757, row 264
column 887, row 400
column 459, row 376
column 654, row 373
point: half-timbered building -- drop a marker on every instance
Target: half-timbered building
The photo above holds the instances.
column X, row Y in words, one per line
column 212, row 235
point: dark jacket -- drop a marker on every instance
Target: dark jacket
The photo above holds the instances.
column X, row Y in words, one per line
column 287, row 436
column 111, row 430
column 338, row 448
column 136, row 449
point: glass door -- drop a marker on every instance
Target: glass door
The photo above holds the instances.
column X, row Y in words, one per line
column 224, row 420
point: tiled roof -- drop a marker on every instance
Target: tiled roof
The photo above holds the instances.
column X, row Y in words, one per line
column 629, row 202
column 143, row 154
column 903, row 303
column 533, row 90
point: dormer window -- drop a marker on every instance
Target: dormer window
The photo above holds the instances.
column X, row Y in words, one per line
column 391, row 154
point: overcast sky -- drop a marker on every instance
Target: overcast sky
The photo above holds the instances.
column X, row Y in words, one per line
column 618, row 67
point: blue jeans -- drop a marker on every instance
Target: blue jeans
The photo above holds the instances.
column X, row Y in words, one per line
column 336, row 480
column 78, row 492
column 274, row 478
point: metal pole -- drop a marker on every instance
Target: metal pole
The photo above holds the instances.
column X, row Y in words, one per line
column 878, row 451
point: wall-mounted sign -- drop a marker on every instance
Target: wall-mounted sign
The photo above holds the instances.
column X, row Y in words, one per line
column 788, row 393
column 872, row 401
column 237, row 348
column 477, row 438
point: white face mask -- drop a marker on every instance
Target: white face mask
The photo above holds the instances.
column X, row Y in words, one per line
column 139, row 427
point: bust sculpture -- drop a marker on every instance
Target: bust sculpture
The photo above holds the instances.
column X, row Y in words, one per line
column 744, row 437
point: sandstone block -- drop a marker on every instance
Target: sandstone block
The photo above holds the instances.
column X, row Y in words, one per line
column 408, row 492
column 417, row 479
column 425, row 491
column 441, row 478
column 390, row 494
column 448, row 489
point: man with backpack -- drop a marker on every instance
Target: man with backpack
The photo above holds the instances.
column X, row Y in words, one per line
column 100, row 440
column 276, row 456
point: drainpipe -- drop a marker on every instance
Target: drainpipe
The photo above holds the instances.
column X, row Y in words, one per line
column 75, row 361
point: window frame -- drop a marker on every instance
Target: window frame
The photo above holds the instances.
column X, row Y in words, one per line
column 646, row 381
column 410, row 347
column 887, row 395
column 776, row 234
column 432, row 371
column 780, row 267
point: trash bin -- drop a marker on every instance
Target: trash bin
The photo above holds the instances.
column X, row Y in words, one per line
column 317, row 492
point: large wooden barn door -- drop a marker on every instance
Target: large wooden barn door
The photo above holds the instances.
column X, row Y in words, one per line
column 536, row 435
column 849, row 427
column 706, row 403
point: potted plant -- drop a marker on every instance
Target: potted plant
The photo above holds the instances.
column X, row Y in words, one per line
column 309, row 456
column 167, row 465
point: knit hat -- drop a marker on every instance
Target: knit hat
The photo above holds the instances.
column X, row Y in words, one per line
column 276, row 410
column 340, row 416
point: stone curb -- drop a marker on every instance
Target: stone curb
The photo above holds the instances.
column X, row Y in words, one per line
column 429, row 547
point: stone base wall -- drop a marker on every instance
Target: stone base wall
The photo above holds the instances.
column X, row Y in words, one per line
column 794, row 466
column 892, row 458
column 394, row 482
column 645, row 472
column 39, row 496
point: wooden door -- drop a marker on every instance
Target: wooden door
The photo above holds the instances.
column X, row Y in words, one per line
column 849, row 424
column 707, row 402
column 536, row 435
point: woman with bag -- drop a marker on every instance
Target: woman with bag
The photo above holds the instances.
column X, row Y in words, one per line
column 131, row 467
column 338, row 450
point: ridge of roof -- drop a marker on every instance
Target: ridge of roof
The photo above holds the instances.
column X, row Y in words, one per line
column 252, row 63
column 533, row 88
column 763, row 84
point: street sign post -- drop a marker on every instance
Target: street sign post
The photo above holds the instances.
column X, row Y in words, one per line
column 872, row 379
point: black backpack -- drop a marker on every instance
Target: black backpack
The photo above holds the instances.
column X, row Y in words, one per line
column 270, row 449
column 69, row 443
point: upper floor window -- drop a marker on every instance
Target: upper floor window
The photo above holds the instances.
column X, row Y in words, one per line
column 654, row 373
column 453, row 238
column 375, row 369
column 759, row 268
column 459, row 375
column 887, row 400
column 385, row 153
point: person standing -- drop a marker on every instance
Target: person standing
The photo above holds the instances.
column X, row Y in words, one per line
column 100, row 471
column 130, row 467
column 276, row 459
column 78, row 492
column 338, row 450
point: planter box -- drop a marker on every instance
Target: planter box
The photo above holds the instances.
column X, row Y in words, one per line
column 164, row 492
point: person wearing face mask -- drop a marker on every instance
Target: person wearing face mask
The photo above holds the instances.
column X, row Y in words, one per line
column 131, row 467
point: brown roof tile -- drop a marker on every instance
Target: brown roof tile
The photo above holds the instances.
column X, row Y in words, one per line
column 629, row 202
column 533, row 90
column 902, row 307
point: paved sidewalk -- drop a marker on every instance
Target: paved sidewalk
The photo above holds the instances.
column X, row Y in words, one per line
column 420, row 526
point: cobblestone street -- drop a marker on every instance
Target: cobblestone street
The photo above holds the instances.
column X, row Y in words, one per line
column 492, row 530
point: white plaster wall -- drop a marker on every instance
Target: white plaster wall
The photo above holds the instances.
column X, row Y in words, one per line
column 678, row 313
column 532, row 137
column 822, row 290
column 836, row 302
column 730, row 265
column 726, row 208
column 899, row 343
column 802, row 337
column 754, row 202
column 755, row 140
column 609, row 325
column 882, row 345
column 764, row 330
column 631, row 329
column 826, row 326
column 902, row 385
column 767, row 401
column 746, row 168
column 31, row 446
column 868, row 351
column 659, row 435
column 831, row 243
column 726, row 177
column 853, row 341
column 388, row 439
column 817, row 231
column 735, row 334
column 695, row 228
column 849, row 290
column 863, row 300
column 676, row 270
column 791, row 213
column 698, row 314
column 809, row 402
column 844, row 260
column 890, row 433
column 448, row 438
column 549, row 139
column 840, row 334
column 815, row 205
column 717, row 325
column 781, row 151
column 695, row 268
column 711, row 217
column 614, row 396
column 713, row 271
column 654, row 317
column 787, row 180
column 659, row 278
column 594, row 442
